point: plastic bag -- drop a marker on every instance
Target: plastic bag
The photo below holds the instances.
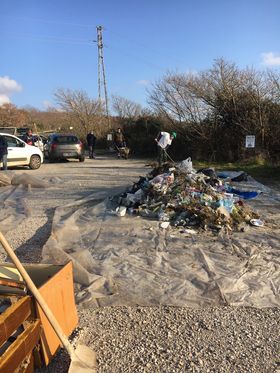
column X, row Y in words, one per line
column 186, row 165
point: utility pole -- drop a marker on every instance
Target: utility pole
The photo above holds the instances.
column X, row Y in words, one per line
column 101, row 73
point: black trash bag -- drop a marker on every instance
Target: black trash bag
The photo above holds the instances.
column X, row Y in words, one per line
column 208, row 172
column 242, row 177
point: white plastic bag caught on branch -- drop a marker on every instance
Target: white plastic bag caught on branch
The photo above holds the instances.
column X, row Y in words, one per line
column 186, row 165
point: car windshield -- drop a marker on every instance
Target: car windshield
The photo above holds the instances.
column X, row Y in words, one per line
column 66, row 140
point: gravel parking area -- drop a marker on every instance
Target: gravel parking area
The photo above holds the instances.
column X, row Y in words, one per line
column 145, row 339
column 169, row 339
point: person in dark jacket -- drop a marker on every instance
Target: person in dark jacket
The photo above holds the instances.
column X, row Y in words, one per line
column 91, row 144
column 28, row 137
column 3, row 152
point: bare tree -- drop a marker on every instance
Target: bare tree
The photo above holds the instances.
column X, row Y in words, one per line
column 80, row 107
column 10, row 115
column 219, row 86
column 219, row 106
column 126, row 109
column 173, row 97
column 273, row 78
column 51, row 119
column 273, row 124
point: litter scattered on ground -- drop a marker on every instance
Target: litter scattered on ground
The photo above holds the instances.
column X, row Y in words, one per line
column 121, row 211
column 257, row 222
column 183, row 197
column 164, row 224
column 189, row 231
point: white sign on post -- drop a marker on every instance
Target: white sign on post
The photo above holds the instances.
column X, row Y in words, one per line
column 250, row 141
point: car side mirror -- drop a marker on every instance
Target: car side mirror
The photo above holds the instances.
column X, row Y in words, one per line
column 22, row 144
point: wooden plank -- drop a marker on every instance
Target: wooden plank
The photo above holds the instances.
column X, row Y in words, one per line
column 13, row 317
column 21, row 348
column 12, row 283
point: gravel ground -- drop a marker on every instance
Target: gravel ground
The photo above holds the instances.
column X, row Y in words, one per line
column 146, row 339
column 169, row 339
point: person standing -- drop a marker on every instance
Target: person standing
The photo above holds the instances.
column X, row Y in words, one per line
column 91, row 144
column 4, row 152
column 28, row 137
column 119, row 141
column 164, row 140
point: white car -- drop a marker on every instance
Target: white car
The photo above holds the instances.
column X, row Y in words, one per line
column 22, row 154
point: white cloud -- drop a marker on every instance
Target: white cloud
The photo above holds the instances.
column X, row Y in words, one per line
column 7, row 88
column 143, row 82
column 270, row 59
column 4, row 99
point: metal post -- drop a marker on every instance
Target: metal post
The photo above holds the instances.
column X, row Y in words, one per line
column 101, row 66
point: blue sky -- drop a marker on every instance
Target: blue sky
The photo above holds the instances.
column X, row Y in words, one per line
column 46, row 45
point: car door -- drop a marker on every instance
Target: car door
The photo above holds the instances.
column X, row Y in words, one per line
column 17, row 154
column 47, row 147
column 38, row 142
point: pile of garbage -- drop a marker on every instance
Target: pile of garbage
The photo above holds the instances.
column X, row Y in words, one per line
column 182, row 197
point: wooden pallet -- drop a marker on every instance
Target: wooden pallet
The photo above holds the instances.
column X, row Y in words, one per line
column 19, row 337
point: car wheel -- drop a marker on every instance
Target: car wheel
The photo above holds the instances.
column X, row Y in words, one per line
column 35, row 162
column 82, row 159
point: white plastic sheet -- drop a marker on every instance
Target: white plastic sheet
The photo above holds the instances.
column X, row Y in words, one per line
column 14, row 191
column 130, row 260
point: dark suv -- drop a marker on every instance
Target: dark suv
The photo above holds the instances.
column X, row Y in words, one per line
column 61, row 146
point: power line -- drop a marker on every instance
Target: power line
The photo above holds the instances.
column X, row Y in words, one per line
column 46, row 38
column 124, row 52
column 32, row 19
column 143, row 45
